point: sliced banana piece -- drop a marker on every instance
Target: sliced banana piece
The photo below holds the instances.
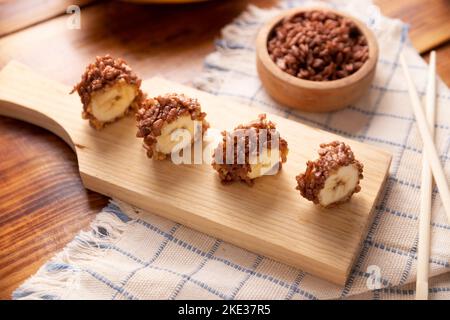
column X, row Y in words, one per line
column 238, row 145
column 112, row 102
column 266, row 164
column 169, row 123
column 332, row 178
column 176, row 135
column 108, row 90
column 339, row 186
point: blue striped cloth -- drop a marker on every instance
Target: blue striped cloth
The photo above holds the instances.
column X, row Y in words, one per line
column 131, row 254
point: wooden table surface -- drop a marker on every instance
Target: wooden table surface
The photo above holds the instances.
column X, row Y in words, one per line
column 42, row 201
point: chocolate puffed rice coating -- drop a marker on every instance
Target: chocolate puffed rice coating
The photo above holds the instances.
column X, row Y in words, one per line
column 100, row 75
column 155, row 113
column 229, row 172
column 332, row 156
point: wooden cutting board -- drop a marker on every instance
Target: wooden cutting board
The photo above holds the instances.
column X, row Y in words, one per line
column 269, row 218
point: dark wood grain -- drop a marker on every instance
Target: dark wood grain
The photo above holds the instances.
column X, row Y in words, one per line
column 19, row 14
column 169, row 40
column 429, row 20
column 42, row 201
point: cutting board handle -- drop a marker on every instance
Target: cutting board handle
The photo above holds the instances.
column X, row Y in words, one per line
column 26, row 96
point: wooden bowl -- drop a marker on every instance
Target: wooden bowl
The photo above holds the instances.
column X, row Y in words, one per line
column 314, row 96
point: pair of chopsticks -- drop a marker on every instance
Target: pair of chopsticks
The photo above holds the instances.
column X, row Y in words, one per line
column 431, row 166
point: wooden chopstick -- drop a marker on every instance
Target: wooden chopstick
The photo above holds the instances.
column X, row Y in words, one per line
column 426, row 189
column 429, row 150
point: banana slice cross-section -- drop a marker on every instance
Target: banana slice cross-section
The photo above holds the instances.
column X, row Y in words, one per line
column 339, row 186
column 113, row 102
column 176, row 135
column 108, row 90
column 170, row 123
column 267, row 163
column 333, row 178
column 265, row 159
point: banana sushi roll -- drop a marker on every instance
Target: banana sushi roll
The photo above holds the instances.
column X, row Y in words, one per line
column 250, row 151
column 108, row 89
column 159, row 118
column 333, row 178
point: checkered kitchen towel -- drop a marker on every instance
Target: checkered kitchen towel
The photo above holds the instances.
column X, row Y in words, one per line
column 131, row 254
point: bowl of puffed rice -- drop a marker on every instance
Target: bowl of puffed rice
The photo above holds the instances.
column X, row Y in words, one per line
column 316, row 59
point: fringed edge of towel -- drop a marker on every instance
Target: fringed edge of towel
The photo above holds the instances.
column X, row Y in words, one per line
column 56, row 278
column 226, row 48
